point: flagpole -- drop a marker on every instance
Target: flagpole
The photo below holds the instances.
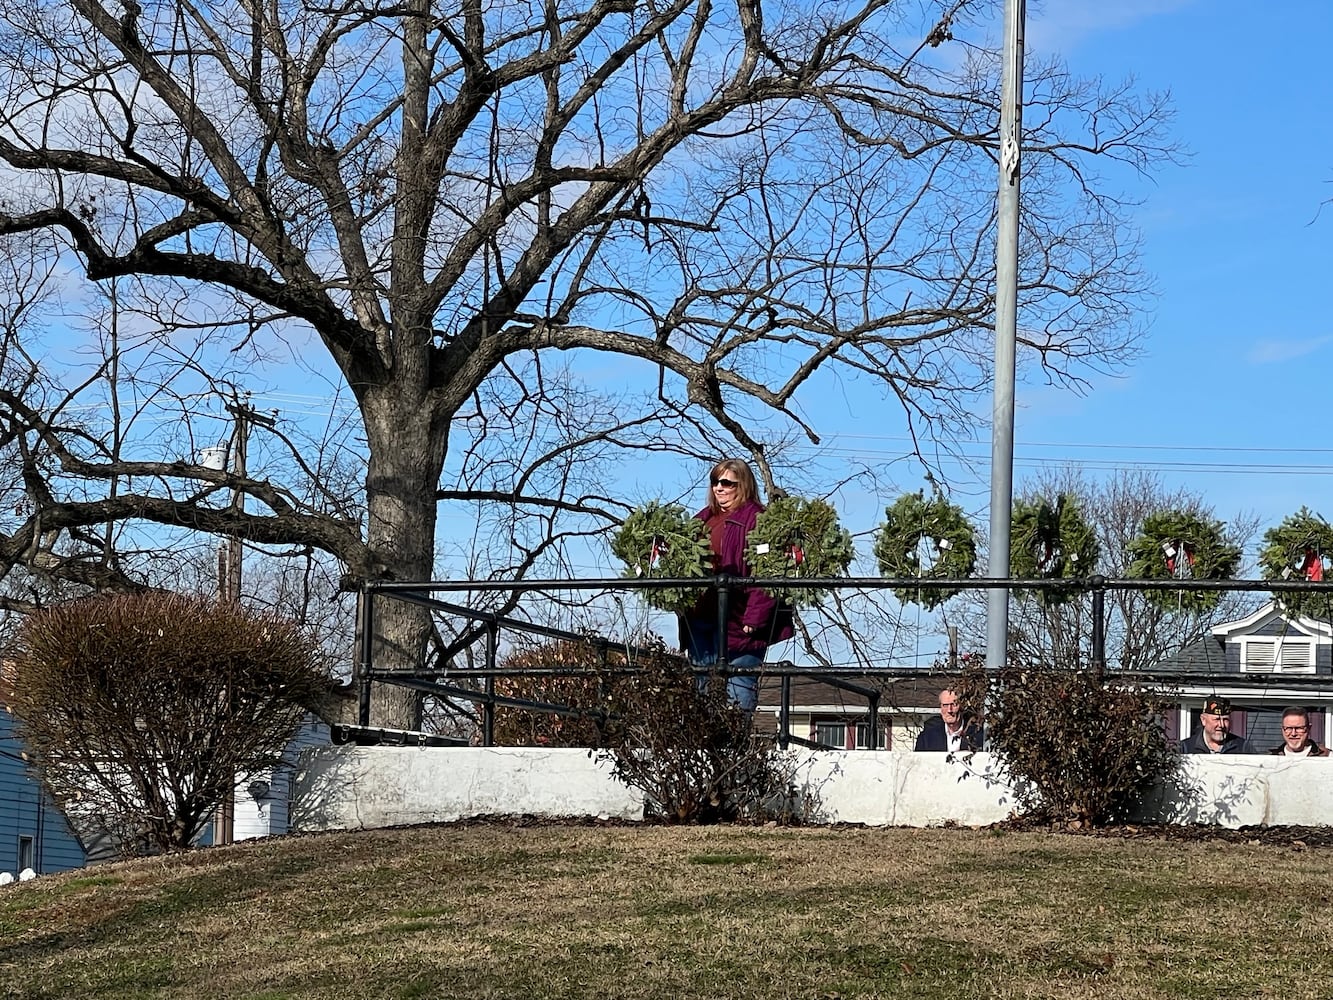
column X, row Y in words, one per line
column 1006, row 325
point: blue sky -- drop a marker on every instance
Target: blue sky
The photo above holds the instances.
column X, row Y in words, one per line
column 1229, row 398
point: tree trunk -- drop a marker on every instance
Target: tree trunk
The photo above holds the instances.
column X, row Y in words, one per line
column 407, row 448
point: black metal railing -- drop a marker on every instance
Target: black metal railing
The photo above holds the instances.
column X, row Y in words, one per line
column 488, row 625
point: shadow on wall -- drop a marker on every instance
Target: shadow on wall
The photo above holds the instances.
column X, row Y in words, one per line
column 321, row 782
column 1219, row 793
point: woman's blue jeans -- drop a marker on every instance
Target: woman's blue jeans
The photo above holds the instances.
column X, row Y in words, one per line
column 702, row 648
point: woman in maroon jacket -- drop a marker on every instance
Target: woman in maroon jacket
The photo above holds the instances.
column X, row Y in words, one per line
column 754, row 618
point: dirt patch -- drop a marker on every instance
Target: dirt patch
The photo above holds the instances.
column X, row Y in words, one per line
column 1297, row 837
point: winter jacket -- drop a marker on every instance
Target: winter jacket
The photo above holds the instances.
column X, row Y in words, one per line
column 770, row 621
column 1232, row 744
column 933, row 736
column 1315, row 749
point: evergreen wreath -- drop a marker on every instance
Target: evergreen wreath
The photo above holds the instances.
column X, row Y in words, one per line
column 663, row 540
column 1051, row 543
column 795, row 537
column 1182, row 545
column 1299, row 548
column 908, row 520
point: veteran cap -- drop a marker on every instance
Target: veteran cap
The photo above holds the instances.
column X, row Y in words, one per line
column 1216, row 706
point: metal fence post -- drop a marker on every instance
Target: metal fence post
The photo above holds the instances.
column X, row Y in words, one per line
column 488, row 707
column 1099, row 626
column 723, row 607
column 784, row 713
column 366, row 615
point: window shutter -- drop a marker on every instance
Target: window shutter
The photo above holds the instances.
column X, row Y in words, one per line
column 1259, row 656
column 1294, row 655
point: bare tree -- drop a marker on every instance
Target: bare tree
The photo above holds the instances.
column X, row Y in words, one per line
column 425, row 207
column 1139, row 633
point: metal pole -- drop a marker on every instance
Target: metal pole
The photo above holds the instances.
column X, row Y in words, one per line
column 488, row 705
column 1006, row 326
column 1098, row 628
column 367, row 617
column 784, row 713
column 723, row 602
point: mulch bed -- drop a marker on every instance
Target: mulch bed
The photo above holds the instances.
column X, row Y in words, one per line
column 1296, row 837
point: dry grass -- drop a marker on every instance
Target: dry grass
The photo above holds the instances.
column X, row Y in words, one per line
column 502, row 912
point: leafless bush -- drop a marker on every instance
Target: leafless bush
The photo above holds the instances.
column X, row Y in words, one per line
column 1080, row 748
column 688, row 747
column 141, row 710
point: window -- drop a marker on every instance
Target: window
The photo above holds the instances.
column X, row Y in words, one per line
column 863, row 735
column 831, row 734
column 27, row 856
column 1277, row 655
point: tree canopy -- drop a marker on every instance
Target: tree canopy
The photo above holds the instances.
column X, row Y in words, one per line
column 444, row 212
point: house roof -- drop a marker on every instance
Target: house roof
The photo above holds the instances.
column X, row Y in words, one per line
column 1271, row 614
column 1206, row 656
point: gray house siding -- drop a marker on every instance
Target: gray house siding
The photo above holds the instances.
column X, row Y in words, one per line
column 32, row 830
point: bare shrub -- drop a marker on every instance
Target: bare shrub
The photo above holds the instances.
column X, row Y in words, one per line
column 1080, row 748
column 588, row 691
column 688, row 747
column 140, row 710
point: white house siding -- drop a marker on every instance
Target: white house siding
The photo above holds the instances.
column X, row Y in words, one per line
column 270, row 814
column 26, row 814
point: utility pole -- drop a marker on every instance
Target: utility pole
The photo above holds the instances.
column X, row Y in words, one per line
column 229, row 554
column 1006, row 329
column 229, row 565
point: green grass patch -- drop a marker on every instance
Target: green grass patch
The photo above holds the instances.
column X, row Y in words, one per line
column 647, row 913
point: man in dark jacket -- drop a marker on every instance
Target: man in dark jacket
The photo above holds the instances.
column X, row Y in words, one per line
column 950, row 731
column 1215, row 735
column 1296, row 740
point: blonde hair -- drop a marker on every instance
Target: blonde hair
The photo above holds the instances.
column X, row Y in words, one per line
column 733, row 468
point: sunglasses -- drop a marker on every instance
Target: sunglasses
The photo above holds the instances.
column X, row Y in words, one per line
column 726, row 484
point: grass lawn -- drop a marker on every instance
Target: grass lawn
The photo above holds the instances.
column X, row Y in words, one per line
column 654, row 912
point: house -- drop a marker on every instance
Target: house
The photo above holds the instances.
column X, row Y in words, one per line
column 33, row 832
column 833, row 710
column 1262, row 663
column 263, row 802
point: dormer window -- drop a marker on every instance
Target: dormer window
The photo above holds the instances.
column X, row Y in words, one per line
column 1277, row 655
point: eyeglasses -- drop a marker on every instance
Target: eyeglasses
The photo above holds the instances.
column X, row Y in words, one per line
column 726, row 484
column 1294, row 729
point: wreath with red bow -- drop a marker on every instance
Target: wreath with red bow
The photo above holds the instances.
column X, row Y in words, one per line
column 799, row 538
column 1182, row 545
column 663, row 541
column 1300, row 548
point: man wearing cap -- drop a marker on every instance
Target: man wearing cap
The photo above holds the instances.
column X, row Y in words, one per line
column 1214, row 735
column 1296, row 740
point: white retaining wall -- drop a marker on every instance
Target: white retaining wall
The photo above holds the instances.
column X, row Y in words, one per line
column 365, row 787
column 361, row 787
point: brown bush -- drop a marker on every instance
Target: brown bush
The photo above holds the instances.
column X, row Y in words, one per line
column 587, row 692
column 686, row 746
column 140, row 710
column 1079, row 747
column 689, row 748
